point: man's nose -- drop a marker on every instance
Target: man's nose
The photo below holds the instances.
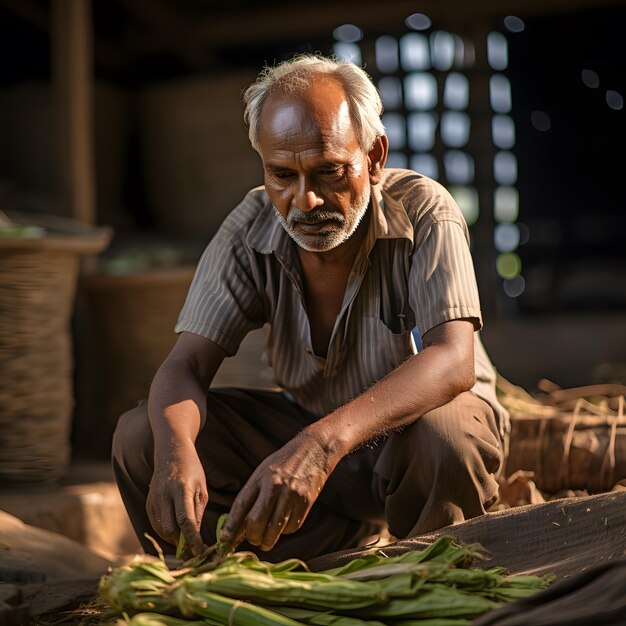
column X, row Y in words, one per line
column 307, row 199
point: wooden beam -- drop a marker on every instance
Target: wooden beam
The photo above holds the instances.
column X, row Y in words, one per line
column 72, row 71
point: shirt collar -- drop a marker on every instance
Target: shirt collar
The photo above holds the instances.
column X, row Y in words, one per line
column 267, row 234
column 390, row 218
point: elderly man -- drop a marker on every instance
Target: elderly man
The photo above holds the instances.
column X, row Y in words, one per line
column 342, row 259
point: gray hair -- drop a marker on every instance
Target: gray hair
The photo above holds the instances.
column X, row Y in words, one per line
column 296, row 74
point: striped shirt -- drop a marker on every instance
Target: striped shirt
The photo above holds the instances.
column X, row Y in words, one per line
column 413, row 271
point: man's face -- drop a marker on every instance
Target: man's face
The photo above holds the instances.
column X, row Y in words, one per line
column 316, row 173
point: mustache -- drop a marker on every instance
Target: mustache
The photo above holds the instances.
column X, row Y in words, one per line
column 313, row 217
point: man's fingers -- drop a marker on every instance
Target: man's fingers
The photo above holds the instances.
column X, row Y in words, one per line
column 189, row 524
column 259, row 516
column 200, row 501
column 277, row 523
column 163, row 520
column 298, row 515
column 192, row 536
column 234, row 528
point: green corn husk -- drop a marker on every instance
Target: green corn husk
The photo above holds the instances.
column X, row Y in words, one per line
column 139, row 586
column 306, row 589
column 148, row 586
column 251, row 561
column 443, row 550
column 325, row 618
column 433, row 601
column 431, row 587
column 517, row 587
column 225, row 610
column 157, row 619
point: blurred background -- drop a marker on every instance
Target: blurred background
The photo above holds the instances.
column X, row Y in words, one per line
column 126, row 115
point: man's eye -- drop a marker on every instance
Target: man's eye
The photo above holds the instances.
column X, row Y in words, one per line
column 331, row 172
column 283, row 175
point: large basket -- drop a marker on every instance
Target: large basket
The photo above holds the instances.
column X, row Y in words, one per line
column 129, row 330
column 37, row 285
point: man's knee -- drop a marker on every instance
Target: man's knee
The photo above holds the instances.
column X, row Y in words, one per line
column 459, row 435
column 132, row 438
column 459, row 439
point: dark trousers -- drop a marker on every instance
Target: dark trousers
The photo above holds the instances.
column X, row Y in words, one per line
column 435, row 472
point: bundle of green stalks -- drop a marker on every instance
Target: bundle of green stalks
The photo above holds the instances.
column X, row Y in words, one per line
column 433, row 587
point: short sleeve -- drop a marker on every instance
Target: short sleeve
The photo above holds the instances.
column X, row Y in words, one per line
column 223, row 302
column 442, row 280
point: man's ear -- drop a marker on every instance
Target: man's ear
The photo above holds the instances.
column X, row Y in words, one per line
column 377, row 158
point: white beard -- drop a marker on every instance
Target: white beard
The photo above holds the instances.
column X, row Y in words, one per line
column 332, row 236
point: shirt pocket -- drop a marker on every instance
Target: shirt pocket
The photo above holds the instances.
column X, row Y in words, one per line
column 384, row 349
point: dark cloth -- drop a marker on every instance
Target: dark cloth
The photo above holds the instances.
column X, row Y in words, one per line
column 596, row 597
column 437, row 471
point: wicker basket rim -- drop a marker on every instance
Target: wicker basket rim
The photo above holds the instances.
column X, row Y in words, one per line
column 63, row 234
column 92, row 243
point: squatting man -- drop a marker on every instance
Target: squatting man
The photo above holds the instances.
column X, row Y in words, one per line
column 342, row 259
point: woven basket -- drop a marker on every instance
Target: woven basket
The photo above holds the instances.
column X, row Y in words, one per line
column 573, row 439
column 37, row 284
column 129, row 330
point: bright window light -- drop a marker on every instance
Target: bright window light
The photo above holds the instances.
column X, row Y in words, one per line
column 503, row 131
column 387, row 54
column 420, row 91
column 514, row 24
column 414, row 52
column 390, row 89
column 455, row 129
column 505, row 168
column 425, row 164
column 500, row 93
column 508, row 265
column 467, row 199
column 506, row 237
column 348, row 52
column 348, row 33
column 395, row 126
column 459, row 167
column 497, row 51
column 422, row 127
column 456, row 91
column 418, row 21
column 442, row 50
column 397, row 159
column 506, row 205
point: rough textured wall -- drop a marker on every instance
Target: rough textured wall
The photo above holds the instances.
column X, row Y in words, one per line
column 197, row 161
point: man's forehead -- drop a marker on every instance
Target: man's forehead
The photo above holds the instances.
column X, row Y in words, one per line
column 318, row 114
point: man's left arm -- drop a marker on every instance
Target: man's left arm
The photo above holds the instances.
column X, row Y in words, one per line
column 440, row 372
column 282, row 490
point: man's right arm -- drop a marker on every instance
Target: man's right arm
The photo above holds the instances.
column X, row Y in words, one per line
column 177, row 410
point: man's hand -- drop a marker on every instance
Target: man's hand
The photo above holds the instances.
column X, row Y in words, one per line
column 280, row 493
column 178, row 496
column 177, row 408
